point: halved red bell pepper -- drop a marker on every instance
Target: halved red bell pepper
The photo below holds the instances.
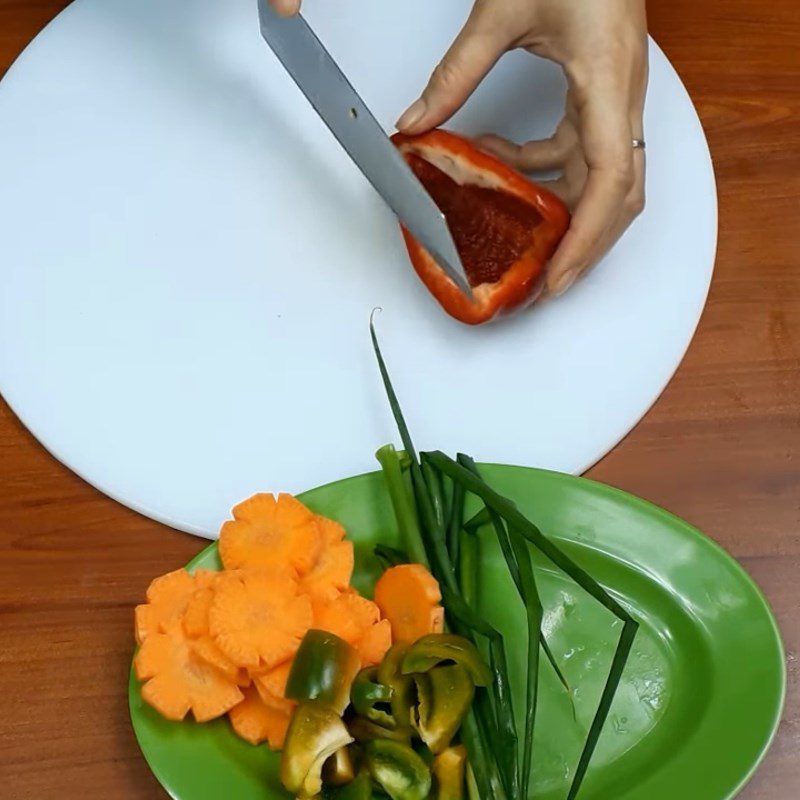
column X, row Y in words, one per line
column 504, row 226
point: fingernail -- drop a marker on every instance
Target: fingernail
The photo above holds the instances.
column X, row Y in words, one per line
column 564, row 282
column 412, row 115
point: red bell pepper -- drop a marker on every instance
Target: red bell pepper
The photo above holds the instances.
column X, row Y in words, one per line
column 504, row 226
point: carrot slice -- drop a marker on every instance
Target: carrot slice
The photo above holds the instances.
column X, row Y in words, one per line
column 196, row 627
column 349, row 615
column 256, row 722
column 266, row 531
column 332, row 532
column 271, row 686
column 167, row 598
column 372, row 646
column 331, row 574
column 257, row 618
column 178, row 681
column 408, row 596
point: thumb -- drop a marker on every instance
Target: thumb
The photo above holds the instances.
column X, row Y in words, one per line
column 286, row 8
column 474, row 52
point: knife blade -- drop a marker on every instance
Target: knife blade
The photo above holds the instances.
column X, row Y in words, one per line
column 359, row 133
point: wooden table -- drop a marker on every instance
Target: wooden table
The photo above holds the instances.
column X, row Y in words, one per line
column 721, row 448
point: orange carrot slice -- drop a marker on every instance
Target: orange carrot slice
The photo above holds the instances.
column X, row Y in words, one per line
column 408, row 596
column 271, row 686
column 256, row 722
column 167, row 598
column 178, row 681
column 258, row 619
column 372, row 646
column 196, row 627
column 332, row 532
column 269, row 531
column 331, row 573
column 349, row 615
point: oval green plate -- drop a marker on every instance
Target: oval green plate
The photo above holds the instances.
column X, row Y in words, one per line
column 699, row 701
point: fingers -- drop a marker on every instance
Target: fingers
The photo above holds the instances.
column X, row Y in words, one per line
column 474, row 52
column 286, row 8
column 611, row 178
column 537, row 155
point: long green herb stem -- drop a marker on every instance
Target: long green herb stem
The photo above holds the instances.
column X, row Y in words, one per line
column 404, row 510
column 436, row 529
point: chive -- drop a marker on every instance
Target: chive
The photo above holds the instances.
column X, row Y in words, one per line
column 434, row 486
column 506, row 726
column 533, row 613
column 621, row 654
column 390, row 556
column 455, row 522
column 476, row 748
column 435, row 538
column 520, row 524
column 559, row 674
column 394, row 403
column 479, row 520
column 518, row 559
column 404, row 511
column 514, row 517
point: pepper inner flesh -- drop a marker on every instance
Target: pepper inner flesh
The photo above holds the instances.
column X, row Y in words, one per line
column 491, row 228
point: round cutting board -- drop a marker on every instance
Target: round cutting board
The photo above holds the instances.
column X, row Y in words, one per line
column 188, row 263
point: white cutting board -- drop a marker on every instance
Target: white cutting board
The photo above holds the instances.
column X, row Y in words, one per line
column 188, row 263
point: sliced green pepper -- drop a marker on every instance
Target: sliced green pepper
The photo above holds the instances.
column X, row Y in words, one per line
column 359, row 789
column 438, row 648
column 368, row 695
column 339, row 768
column 315, row 733
column 444, row 697
column 398, row 770
column 323, row 669
column 448, row 769
column 390, row 674
column 363, row 730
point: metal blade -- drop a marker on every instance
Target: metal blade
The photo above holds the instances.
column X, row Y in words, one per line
column 357, row 130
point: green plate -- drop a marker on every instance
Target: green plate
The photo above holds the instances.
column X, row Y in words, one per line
column 698, row 704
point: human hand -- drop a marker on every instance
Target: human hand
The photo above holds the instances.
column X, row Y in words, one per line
column 602, row 48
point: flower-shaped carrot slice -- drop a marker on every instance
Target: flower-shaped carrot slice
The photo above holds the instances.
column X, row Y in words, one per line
column 331, row 573
column 372, row 646
column 167, row 597
column 332, row 532
column 256, row 722
column 178, row 681
column 269, row 531
column 258, row 619
column 349, row 615
column 196, row 627
column 271, row 686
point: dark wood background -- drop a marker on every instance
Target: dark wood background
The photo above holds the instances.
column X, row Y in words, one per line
column 721, row 448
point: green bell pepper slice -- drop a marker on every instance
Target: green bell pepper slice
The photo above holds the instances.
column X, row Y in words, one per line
column 390, row 674
column 445, row 695
column 398, row 770
column 437, row 648
column 364, row 730
column 358, row 789
column 367, row 696
column 315, row 733
column 323, row 669
column 449, row 769
column 339, row 768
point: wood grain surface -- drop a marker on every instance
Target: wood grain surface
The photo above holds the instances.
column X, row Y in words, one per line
column 721, row 448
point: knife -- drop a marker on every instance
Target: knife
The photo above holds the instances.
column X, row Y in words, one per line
column 351, row 122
